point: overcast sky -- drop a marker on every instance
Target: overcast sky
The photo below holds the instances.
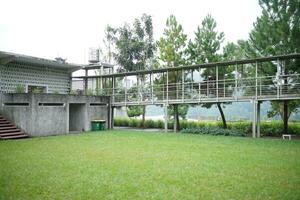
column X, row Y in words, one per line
column 51, row 28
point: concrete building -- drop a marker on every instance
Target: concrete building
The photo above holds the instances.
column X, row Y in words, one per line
column 45, row 106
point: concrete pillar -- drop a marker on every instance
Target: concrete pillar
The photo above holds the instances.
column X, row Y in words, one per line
column 86, row 82
column 112, row 118
column 67, row 117
column 166, row 117
column 254, row 118
column 258, row 119
column 175, row 117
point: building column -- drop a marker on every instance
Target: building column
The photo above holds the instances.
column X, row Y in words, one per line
column 258, row 119
column 254, row 118
column 175, row 118
column 166, row 117
column 112, row 118
column 86, row 82
column 110, row 114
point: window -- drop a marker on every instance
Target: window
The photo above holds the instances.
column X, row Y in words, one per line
column 36, row 89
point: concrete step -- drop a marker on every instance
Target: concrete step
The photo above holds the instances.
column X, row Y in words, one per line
column 6, row 125
column 15, row 137
column 7, row 128
column 10, row 130
column 11, row 134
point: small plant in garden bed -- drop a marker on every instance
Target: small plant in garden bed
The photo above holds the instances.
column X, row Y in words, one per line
column 213, row 131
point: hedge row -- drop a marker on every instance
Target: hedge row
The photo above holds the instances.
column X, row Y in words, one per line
column 213, row 131
column 274, row 128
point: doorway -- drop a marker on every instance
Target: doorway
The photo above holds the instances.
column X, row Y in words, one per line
column 77, row 117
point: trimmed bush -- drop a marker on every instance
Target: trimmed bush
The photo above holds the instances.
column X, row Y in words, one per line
column 213, row 131
column 274, row 128
column 149, row 123
column 160, row 124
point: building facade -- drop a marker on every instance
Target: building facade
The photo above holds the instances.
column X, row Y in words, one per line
column 35, row 96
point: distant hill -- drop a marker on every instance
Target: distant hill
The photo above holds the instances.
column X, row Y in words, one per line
column 233, row 112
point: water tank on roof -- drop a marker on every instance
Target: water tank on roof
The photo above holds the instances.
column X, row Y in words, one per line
column 93, row 55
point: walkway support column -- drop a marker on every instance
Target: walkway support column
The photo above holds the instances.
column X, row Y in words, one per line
column 166, row 117
column 175, row 117
column 110, row 120
column 86, row 82
column 258, row 119
column 254, row 118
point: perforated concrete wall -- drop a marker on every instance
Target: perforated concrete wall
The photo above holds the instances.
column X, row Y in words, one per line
column 55, row 80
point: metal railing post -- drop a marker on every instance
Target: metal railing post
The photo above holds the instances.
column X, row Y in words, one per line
column 167, row 95
column 256, row 71
column 125, row 90
column 182, row 81
column 199, row 85
column 217, row 83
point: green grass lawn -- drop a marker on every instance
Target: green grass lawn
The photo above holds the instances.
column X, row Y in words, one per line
column 137, row 165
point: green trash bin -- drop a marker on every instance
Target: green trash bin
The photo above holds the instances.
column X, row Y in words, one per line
column 98, row 125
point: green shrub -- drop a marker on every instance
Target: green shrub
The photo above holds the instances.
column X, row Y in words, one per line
column 73, row 92
column 117, row 122
column 20, row 88
column 213, row 131
column 135, row 123
column 160, row 124
column 245, row 127
column 149, row 123
column 274, row 128
column 89, row 92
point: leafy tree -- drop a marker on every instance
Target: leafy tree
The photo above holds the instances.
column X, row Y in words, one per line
column 109, row 44
column 172, row 47
column 278, row 108
column 232, row 51
column 135, row 48
column 134, row 111
column 173, row 44
column 275, row 32
column 204, row 48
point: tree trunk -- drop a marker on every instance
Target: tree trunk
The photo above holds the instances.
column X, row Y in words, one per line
column 285, row 117
column 222, row 115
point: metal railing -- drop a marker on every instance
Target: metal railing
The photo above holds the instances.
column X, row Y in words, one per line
column 156, row 88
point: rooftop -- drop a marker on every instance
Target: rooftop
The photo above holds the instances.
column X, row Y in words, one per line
column 7, row 57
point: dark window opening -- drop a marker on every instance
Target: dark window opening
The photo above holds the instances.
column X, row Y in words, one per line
column 51, row 104
column 16, row 104
column 98, row 104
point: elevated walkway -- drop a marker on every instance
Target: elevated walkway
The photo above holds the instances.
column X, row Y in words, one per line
column 254, row 80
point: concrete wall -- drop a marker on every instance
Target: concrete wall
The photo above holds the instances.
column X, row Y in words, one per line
column 49, row 114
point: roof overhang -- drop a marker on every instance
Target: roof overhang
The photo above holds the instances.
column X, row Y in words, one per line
column 7, row 57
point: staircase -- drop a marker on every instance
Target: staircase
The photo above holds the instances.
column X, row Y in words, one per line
column 9, row 131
